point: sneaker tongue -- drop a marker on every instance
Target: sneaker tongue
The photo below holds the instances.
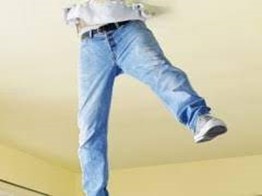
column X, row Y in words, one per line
column 207, row 117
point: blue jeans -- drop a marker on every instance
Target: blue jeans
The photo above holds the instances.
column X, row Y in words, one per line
column 130, row 49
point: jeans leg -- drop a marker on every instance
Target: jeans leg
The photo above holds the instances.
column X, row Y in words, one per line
column 96, row 76
column 140, row 56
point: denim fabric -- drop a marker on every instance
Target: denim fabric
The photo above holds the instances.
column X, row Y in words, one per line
column 130, row 49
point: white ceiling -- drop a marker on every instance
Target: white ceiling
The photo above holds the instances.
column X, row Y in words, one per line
column 218, row 43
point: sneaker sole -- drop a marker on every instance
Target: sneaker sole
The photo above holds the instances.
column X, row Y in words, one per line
column 212, row 133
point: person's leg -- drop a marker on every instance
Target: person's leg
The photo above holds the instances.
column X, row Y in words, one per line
column 96, row 74
column 139, row 55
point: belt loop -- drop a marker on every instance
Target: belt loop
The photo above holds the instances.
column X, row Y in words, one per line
column 90, row 34
column 117, row 25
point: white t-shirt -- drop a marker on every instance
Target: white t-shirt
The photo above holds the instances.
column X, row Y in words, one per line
column 96, row 13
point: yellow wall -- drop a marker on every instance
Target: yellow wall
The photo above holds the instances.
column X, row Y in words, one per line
column 225, row 177
column 240, row 176
column 26, row 170
column 79, row 191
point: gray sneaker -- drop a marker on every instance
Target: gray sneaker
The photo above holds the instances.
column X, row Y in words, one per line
column 208, row 127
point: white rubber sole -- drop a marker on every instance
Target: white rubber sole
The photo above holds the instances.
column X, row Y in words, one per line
column 212, row 129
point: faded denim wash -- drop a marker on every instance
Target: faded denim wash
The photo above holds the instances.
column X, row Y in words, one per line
column 130, row 49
